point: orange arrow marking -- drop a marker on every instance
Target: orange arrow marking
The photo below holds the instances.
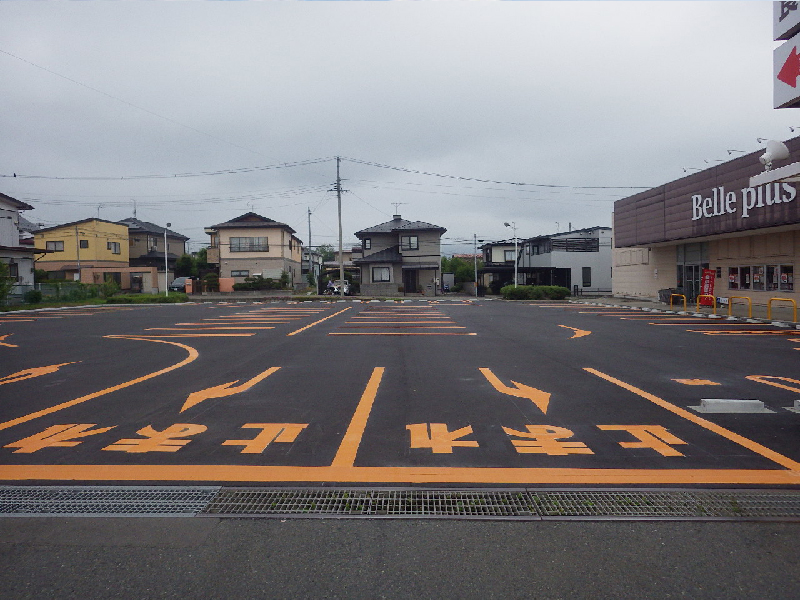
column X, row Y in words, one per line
column 578, row 332
column 2, row 343
column 225, row 389
column 30, row 373
column 538, row 397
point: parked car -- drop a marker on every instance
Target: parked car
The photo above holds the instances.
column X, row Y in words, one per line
column 179, row 284
column 335, row 288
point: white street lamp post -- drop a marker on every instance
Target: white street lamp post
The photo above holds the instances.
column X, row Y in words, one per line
column 166, row 263
column 513, row 225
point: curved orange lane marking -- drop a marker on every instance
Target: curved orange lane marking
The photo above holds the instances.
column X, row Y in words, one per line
column 193, row 354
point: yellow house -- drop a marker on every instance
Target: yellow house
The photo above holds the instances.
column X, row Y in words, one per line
column 75, row 250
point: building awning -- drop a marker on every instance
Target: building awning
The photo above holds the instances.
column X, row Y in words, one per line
column 421, row 267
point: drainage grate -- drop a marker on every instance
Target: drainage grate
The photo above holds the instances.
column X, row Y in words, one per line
column 510, row 504
column 104, row 500
column 403, row 503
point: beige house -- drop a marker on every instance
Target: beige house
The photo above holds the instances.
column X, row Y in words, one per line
column 400, row 257
column 252, row 245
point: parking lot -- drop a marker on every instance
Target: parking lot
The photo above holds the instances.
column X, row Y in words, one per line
column 445, row 392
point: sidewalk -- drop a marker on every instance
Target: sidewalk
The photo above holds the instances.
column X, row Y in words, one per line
column 782, row 312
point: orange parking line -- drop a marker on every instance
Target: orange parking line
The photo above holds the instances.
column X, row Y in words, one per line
column 395, row 333
column 317, row 322
column 730, row 435
column 346, row 455
column 193, row 354
column 400, row 475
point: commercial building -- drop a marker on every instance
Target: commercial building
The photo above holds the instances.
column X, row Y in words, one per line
column 746, row 239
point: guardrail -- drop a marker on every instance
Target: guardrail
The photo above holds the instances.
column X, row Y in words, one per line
column 749, row 305
column 713, row 302
column 671, row 296
column 794, row 307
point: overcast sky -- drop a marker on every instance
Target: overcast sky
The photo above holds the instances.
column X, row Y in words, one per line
column 581, row 95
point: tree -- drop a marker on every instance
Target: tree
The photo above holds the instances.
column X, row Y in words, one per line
column 327, row 252
column 185, row 266
column 6, row 281
column 463, row 270
column 201, row 260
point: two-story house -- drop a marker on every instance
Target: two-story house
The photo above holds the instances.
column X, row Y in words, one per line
column 146, row 244
column 252, row 245
column 498, row 263
column 18, row 256
column 579, row 260
column 83, row 249
column 400, row 256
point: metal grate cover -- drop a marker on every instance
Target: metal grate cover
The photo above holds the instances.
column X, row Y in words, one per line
column 494, row 504
column 399, row 503
column 103, row 500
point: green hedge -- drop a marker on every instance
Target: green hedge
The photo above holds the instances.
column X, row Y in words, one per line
column 174, row 297
column 534, row 292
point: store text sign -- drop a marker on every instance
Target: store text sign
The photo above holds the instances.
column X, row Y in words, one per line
column 747, row 200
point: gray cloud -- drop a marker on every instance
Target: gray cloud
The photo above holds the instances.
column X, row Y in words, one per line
column 577, row 94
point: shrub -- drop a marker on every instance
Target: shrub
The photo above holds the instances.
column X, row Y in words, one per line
column 212, row 282
column 534, row 292
column 174, row 297
column 33, row 297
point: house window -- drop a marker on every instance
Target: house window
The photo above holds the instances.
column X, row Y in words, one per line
column 587, row 277
column 249, row 244
column 84, row 243
column 55, row 246
column 367, row 243
column 509, row 255
column 380, row 274
column 114, row 247
column 245, row 273
column 409, row 242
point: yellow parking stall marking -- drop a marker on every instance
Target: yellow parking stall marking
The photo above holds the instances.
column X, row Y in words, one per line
column 193, row 354
column 346, row 454
column 360, row 326
column 223, row 390
column 201, row 328
column 183, row 335
column 398, row 475
column 748, row 332
column 578, row 333
column 713, row 324
column 317, row 322
column 765, row 378
column 696, row 382
column 713, row 427
column 395, row 333
column 2, row 343
column 399, row 322
column 34, row 372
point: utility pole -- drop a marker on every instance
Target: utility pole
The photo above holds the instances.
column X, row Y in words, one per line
column 475, row 242
column 78, row 250
column 341, row 253
column 310, row 272
column 166, row 263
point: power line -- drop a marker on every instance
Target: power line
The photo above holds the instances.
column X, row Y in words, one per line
column 150, row 112
column 545, row 185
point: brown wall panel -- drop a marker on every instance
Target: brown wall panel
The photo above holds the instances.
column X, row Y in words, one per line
column 666, row 213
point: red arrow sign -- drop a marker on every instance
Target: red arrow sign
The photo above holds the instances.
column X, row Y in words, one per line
column 790, row 70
